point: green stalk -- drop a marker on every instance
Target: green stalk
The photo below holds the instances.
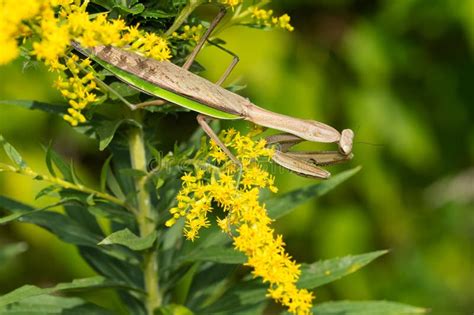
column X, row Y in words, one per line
column 65, row 184
column 183, row 15
column 145, row 217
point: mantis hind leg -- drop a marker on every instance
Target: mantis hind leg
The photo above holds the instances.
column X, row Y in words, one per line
column 204, row 38
column 235, row 60
column 202, row 41
column 195, row 52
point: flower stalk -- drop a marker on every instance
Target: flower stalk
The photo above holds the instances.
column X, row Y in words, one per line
column 64, row 184
column 145, row 217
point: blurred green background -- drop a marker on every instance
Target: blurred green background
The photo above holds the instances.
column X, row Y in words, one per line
column 399, row 73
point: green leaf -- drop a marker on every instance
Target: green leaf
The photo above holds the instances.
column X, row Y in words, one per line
column 106, row 132
column 284, row 204
column 75, row 178
column 103, row 174
column 66, row 228
column 17, row 209
column 246, row 298
column 122, row 89
column 53, row 305
column 111, row 267
column 126, row 238
column 107, row 4
column 85, row 284
column 12, row 153
column 216, row 254
column 133, row 173
column 157, row 14
column 45, row 107
column 11, row 217
column 112, row 183
column 322, row 272
column 47, row 191
column 54, row 159
column 366, row 308
column 112, row 213
column 11, row 250
column 136, row 9
column 173, row 309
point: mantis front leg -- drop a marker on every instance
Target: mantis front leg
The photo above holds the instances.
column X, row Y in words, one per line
column 307, row 163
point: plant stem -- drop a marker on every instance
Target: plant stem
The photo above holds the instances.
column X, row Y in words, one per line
column 183, row 15
column 145, row 217
column 65, row 184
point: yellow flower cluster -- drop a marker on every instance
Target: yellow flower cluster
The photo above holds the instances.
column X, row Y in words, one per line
column 193, row 33
column 12, row 15
column 58, row 22
column 247, row 219
column 77, row 89
column 231, row 3
column 265, row 17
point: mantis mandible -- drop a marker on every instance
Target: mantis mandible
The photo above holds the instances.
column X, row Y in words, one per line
column 178, row 85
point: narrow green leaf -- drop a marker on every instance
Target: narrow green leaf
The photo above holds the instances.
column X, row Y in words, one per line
column 53, row 305
column 86, row 284
column 284, row 204
column 12, row 153
column 113, row 185
column 136, row 9
column 133, row 172
column 65, row 227
column 126, row 238
column 216, row 254
column 11, row 217
column 75, row 178
column 111, row 267
column 53, row 158
column 157, row 14
column 173, row 309
column 107, row 4
column 103, row 174
column 322, row 272
column 45, row 107
column 47, row 191
column 366, row 308
column 247, row 297
column 108, row 212
column 18, row 210
column 11, row 250
column 48, row 159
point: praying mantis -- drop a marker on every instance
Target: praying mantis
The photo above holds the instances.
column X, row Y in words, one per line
column 178, row 85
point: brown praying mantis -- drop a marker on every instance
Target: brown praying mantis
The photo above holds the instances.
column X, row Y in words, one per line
column 178, row 85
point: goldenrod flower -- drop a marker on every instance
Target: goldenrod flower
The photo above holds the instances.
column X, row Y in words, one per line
column 192, row 33
column 56, row 23
column 231, row 3
column 246, row 218
column 265, row 17
column 12, row 15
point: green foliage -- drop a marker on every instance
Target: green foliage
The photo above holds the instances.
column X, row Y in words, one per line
column 322, row 272
column 52, row 305
column 365, row 308
column 194, row 278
